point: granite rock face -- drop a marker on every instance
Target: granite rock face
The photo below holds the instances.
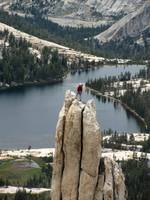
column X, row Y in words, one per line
column 133, row 25
column 78, row 9
column 79, row 171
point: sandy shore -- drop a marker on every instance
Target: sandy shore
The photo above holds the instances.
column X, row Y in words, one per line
column 123, row 155
column 13, row 190
column 46, row 152
column 138, row 137
column 43, row 152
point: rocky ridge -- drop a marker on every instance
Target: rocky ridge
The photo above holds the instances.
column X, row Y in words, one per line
column 79, row 170
column 133, row 25
column 128, row 18
column 38, row 44
column 76, row 12
column 71, row 54
column 85, row 9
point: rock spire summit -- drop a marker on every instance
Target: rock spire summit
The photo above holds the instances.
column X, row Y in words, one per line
column 79, row 171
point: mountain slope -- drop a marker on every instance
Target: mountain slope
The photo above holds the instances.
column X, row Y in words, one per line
column 129, row 22
column 78, row 8
column 133, row 25
column 77, row 11
column 38, row 43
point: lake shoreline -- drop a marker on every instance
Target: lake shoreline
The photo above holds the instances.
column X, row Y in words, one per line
column 29, row 114
column 47, row 152
column 30, row 83
column 59, row 80
column 133, row 112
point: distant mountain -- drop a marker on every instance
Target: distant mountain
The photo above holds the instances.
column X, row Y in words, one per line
column 78, row 12
column 132, row 25
column 128, row 34
column 128, row 17
column 83, row 9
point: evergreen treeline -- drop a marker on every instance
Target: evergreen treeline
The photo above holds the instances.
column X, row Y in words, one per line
column 43, row 180
column 146, row 146
column 18, row 64
column 136, row 99
column 137, row 179
column 75, row 37
column 23, row 195
column 144, row 73
column 127, row 48
column 107, row 83
column 45, row 29
column 139, row 102
column 123, row 142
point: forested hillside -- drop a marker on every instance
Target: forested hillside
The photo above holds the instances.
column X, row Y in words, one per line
column 20, row 63
column 78, row 38
column 133, row 91
column 45, row 29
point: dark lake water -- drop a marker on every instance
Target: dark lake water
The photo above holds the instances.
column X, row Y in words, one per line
column 28, row 116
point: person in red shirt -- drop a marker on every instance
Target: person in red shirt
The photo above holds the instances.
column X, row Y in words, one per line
column 79, row 90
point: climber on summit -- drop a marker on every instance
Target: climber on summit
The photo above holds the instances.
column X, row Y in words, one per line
column 79, row 90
